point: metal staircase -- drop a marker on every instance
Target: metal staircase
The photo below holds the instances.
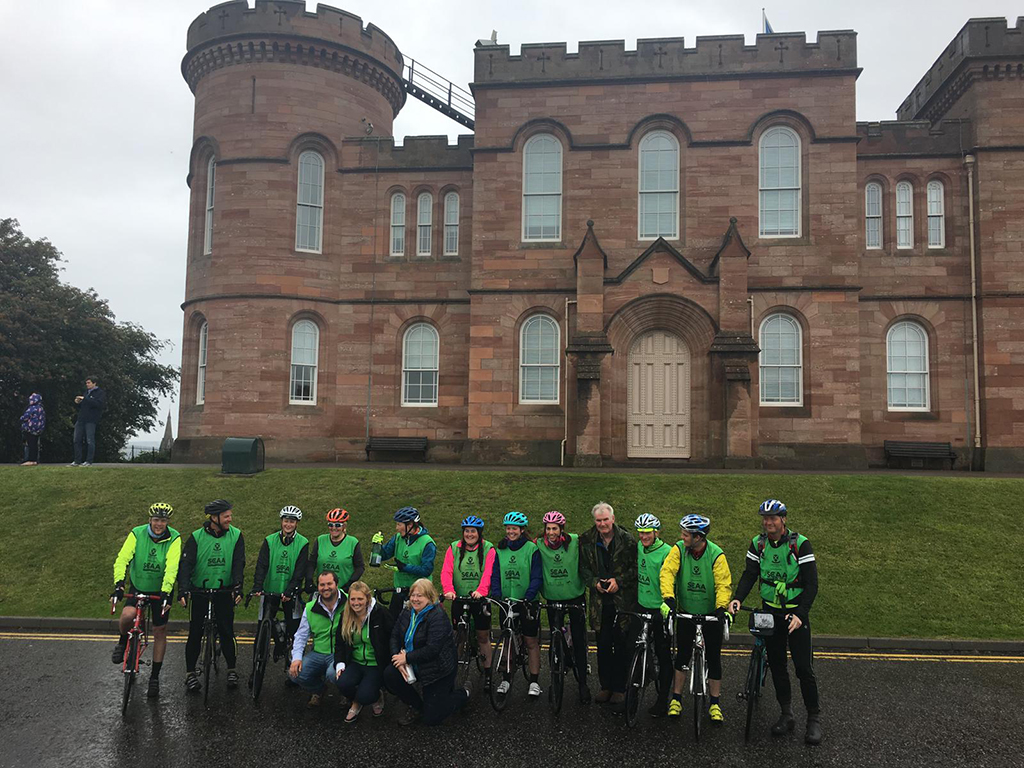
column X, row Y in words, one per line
column 440, row 93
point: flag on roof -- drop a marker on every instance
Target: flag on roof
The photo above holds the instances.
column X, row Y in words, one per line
column 767, row 25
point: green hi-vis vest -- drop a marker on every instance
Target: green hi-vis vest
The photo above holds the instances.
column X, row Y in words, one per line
column 282, row 561
column 336, row 558
column 411, row 554
column 695, row 584
column 321, row 629
column 780, row 569
column 466, row 574
column 561, row 570
column 515, row 570
column 362, row 648
column 648, row 566
column 149, row 561
column 213, row 558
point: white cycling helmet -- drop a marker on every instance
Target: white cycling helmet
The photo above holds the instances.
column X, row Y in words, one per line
column 292, row 512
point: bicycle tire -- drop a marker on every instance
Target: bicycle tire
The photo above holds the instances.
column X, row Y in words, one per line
column 260, row 658
column 751, row 690
column 636, row 685
column 131, row 659
column 501, row 668
column 208, row 642
column 464, row 657
column 698, row 672
column 557, row 660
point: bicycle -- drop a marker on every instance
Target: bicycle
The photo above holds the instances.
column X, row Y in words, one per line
column 560, row 653
column 509, row 653
column 210, row 648
column 265, row 631
column 467, row 648
column 698, row 668
column 138, row 642
column 762, row 625
column 643, row 666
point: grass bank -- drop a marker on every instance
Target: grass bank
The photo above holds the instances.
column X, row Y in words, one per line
column 922, row 556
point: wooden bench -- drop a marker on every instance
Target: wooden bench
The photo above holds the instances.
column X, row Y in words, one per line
column 911, row 450
column 397, row 444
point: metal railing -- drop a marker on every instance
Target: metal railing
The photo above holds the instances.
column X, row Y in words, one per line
column 439, row 92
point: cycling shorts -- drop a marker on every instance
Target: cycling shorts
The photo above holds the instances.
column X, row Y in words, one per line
column 157, row 617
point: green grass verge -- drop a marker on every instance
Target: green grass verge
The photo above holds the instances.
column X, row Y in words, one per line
column 922, row 556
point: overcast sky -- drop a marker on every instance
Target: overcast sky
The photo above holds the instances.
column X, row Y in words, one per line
column 96, row 120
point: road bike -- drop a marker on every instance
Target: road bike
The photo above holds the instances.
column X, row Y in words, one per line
column 210, row 648
column 269, row 629
column 467, row 647
column 698, row 668
column 643, row 666
column 509, row 652
column 138, row 641
column 762, row 625
column 560, row 651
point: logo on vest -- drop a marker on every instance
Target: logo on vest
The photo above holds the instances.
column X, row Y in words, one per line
column 643, row 563
column 334, row 553
column 152, row 552
column 775, row 558
column 696, row 586
column 512, row 560
column 696, row 570
column 558, row 557
column 216, row 546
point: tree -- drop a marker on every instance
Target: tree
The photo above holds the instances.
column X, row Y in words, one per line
column 52, row 336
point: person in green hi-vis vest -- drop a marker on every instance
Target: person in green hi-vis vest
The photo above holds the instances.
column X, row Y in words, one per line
column 149, row 559
column 280, row 569
column 466, row 572
column 335, row 551
column 651, row 552
column 321, row 617
column 414, row 552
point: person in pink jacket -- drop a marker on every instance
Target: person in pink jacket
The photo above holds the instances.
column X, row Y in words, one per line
column 467, row 573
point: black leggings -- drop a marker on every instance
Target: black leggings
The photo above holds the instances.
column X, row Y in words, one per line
column 800, row 649
column 687, row 632
column 613, row 649
column 440, row 698
column 223, row 614
column 578, row 630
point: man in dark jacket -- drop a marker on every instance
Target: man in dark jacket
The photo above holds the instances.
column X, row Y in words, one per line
column 608, row 568
column 90, row 408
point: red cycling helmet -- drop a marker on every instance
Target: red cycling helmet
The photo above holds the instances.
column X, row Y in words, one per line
column 337, row 515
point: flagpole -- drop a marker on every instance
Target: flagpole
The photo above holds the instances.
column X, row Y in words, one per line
column 764, row 28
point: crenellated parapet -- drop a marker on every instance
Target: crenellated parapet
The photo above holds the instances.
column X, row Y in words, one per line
column 667, row 58
column 903, row 138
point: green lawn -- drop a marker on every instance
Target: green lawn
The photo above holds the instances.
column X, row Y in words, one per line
column 922, row 556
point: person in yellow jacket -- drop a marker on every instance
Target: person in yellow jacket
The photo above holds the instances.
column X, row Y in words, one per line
column 695, row 579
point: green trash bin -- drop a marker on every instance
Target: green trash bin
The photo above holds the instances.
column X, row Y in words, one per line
column 242, row 456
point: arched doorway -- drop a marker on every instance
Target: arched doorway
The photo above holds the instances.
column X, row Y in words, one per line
column 658, row 397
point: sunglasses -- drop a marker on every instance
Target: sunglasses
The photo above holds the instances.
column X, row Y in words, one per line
column 336, row 525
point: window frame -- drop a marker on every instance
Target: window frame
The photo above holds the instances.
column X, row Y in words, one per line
column 557, row 365
column 534, row 140
column 451, row 228
column 799, row 366
column 762, row 189
column 406, row 369
column 203, row 351
column 398, row 229
column 211, row 178
column 424, row 229
column 936, row 184
column 318, row 208
column 312, row 400
column 641, row 192
column 901, row 185
column 876, row 217
column 926, row 408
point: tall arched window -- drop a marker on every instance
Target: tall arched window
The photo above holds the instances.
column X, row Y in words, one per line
column 451, row 224
column 904, row 215
column 305, row 357
column 873, row 215
column 781, row 361
column 542, row 188
column 936, row 215
column 779, row 202
column 398, row 224
column 539, row 360
column 907, row 367
column 659, row 186
column 420, row 366
column 424, row 223
column 204, row 332
column 309, row 216
column 208, row 223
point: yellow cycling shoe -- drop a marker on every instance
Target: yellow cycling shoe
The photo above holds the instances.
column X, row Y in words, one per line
column 675, row 708
column 715, row 711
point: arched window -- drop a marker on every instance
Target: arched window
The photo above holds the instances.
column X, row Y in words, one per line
column 420, row 366
column 936, row 215
column 424, row 223
column 204, row 331
column 208, row 224
column 451, row 224
column 781, row 361
column 539, row 360
column 904, row 215
column 305, row 356
column 779, row 206
column 309, row 217
column 542, row 188
column 398, row 224
column 906, row 348
column 659, row 186
column 873, row 215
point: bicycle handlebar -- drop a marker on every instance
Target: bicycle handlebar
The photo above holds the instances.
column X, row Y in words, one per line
column 564, row 606
column 644, row 616
column 698, row 618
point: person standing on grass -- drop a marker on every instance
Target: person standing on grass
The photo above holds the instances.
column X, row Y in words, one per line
column 33, row 422
column 90, row 407
column 320, row 620
column 414, row 552
column 362, row 651
column 783, row 563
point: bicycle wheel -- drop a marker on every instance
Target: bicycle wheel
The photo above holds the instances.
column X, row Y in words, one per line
column 558, row 657
column 698, row 682
column 464, row 658
column 636, row 684
column 752, row 689
column 208, row 643
column 131, row 661
column 260, row 658
column 502, row 669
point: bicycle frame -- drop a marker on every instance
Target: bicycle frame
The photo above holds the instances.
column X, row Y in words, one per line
column 644, row 639
column 699, row 651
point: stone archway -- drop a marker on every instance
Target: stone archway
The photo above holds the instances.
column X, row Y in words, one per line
column 658, row 397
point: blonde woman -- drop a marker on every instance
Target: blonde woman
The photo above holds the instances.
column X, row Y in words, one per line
column 362, row 651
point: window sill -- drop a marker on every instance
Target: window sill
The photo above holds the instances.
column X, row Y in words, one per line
column 419, row 405
column 785, row 410
column 911, row 415
column 527, row 245
column 304, row 408
column 552, row 409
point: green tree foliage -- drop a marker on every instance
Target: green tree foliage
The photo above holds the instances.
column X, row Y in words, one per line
column 52, row 336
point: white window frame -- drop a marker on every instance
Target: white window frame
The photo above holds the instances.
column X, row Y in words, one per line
column 937, row 213
column 435, row 367
column 303, row 326
column 314, row 204
column 424, row 223
column 531, row 145
column 873, row 214
column 451, row 224
column 523, row 366
column 926, row 372
column 398, row 203
column 651, row 194
column 208, row 221
column 204, row 340
column 799, row 365
column 904, row 215
column 779, row 130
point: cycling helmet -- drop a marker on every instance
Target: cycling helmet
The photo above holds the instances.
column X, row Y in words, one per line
column 516, row 518
column 773, row 507
column 407, row 515
column 337, row 515
column 217, row 506
column 556, row 517
column 473, row 522
column 695, row 524
column 647, row 522
column 293, row 512
column 161, row 509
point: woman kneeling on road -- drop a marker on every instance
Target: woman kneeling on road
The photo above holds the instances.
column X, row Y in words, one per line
column 423, row 651
column 362, row 650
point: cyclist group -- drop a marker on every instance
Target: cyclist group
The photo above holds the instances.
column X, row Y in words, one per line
column 408, row 647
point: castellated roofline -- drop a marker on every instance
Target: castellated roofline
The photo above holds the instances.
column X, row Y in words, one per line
column 667, row 58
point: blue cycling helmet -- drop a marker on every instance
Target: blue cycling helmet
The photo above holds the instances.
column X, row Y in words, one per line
column 773, row 507
column 407, row 515
column 515, row 518
column 695, row 524
column 473, row 522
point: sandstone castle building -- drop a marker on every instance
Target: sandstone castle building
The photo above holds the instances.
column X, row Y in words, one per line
column 686, row 255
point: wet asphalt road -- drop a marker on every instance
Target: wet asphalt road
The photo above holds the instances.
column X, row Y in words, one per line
column 60, row 706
